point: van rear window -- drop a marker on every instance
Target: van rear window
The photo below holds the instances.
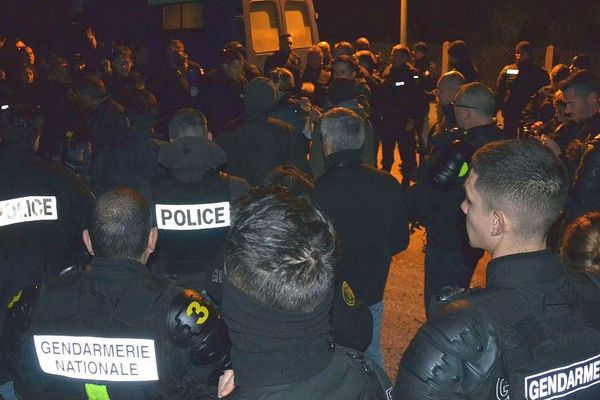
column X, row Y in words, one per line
column 296, row 20
column 263, row 20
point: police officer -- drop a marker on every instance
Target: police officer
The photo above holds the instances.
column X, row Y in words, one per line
column 580, row 94
column 285, row 57
column 115, row 330
column 522, row 337
column 401, row 104
column 192, row 202
column 42, row 203
column 516, row 84
column 435, row 200
column 276, row 300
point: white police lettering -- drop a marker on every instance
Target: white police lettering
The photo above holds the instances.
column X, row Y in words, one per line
column 511, row 71
column 560, row 382
column 106, row 359
column 187, row 217
column 389, row 393
column 28, row 209
column 502, row 389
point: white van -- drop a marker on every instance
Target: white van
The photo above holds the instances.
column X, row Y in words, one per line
column 259, row 22
column 266, row 20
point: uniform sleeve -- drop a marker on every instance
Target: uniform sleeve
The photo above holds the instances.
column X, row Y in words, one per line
column 450, row 356
column 585, row 193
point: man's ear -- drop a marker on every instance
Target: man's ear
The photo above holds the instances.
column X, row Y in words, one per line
column 152, row 238
column 88, row 242
column 498, row 223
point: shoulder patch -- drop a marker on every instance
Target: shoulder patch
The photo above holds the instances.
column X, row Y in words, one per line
column 348, row 295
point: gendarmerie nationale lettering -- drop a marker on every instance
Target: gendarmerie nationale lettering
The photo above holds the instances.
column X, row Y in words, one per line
column 28, row 209
column 560, row 382
column 112, row 359
column 95, row 349
column 192, row 216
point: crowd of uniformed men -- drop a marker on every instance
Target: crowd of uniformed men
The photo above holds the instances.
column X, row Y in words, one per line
column 167, row 232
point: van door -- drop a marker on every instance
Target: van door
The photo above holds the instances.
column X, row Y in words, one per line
column 266, row 20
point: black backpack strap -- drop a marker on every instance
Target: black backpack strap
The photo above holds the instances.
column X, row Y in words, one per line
column 594, row 276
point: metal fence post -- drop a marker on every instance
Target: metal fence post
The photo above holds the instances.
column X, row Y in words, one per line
column 445, row 57
column 549, row 57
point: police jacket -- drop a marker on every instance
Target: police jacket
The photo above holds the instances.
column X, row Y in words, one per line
column 105, row 334
column 220, row 99
column 256, row 144
column 402, row 96
column 520, row 338
column 367, row 209
column 131, row 161
column 349, row 376
column 516, row 84
column 44, row 204
column 192, row 206
column 438, row 208
column 584, row 194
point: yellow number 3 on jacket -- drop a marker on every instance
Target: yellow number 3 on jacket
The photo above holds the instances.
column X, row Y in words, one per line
column 200, row 310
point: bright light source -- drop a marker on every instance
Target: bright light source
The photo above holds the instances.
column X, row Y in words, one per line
column 4, row 107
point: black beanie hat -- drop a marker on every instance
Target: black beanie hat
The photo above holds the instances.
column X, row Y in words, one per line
column 459, row 50
column 259, row 96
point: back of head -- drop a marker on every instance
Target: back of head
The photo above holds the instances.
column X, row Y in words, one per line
column 583, row 83
column 141, row 108
column 422, row 47
column 342, row 129
column 188, row 122
column 237, row 46
column 451, row 80
column 259, row 96
column 524, row 179
column 228, row 56
column 559, row 73
column 283, row 79
column 581, row 243
column 362, row 43
column 524, row 46
column 280, row 252
column 478, row 95
column 459, row 50
column 120, row 224
column 343, row 49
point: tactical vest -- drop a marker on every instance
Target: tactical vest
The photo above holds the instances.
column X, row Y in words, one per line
column 193, row 221
column 551, row 352
column 78, row 332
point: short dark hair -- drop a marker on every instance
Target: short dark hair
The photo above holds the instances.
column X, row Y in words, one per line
column 141, row 108
column 228, row 56
column 581, row 243
column 582, row 82
column 120, row 223
column 523, row 178
column 280, row 251
column 187, row 122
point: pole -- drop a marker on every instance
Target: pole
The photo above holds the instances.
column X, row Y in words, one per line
column 549, row 58
column 403, row 14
